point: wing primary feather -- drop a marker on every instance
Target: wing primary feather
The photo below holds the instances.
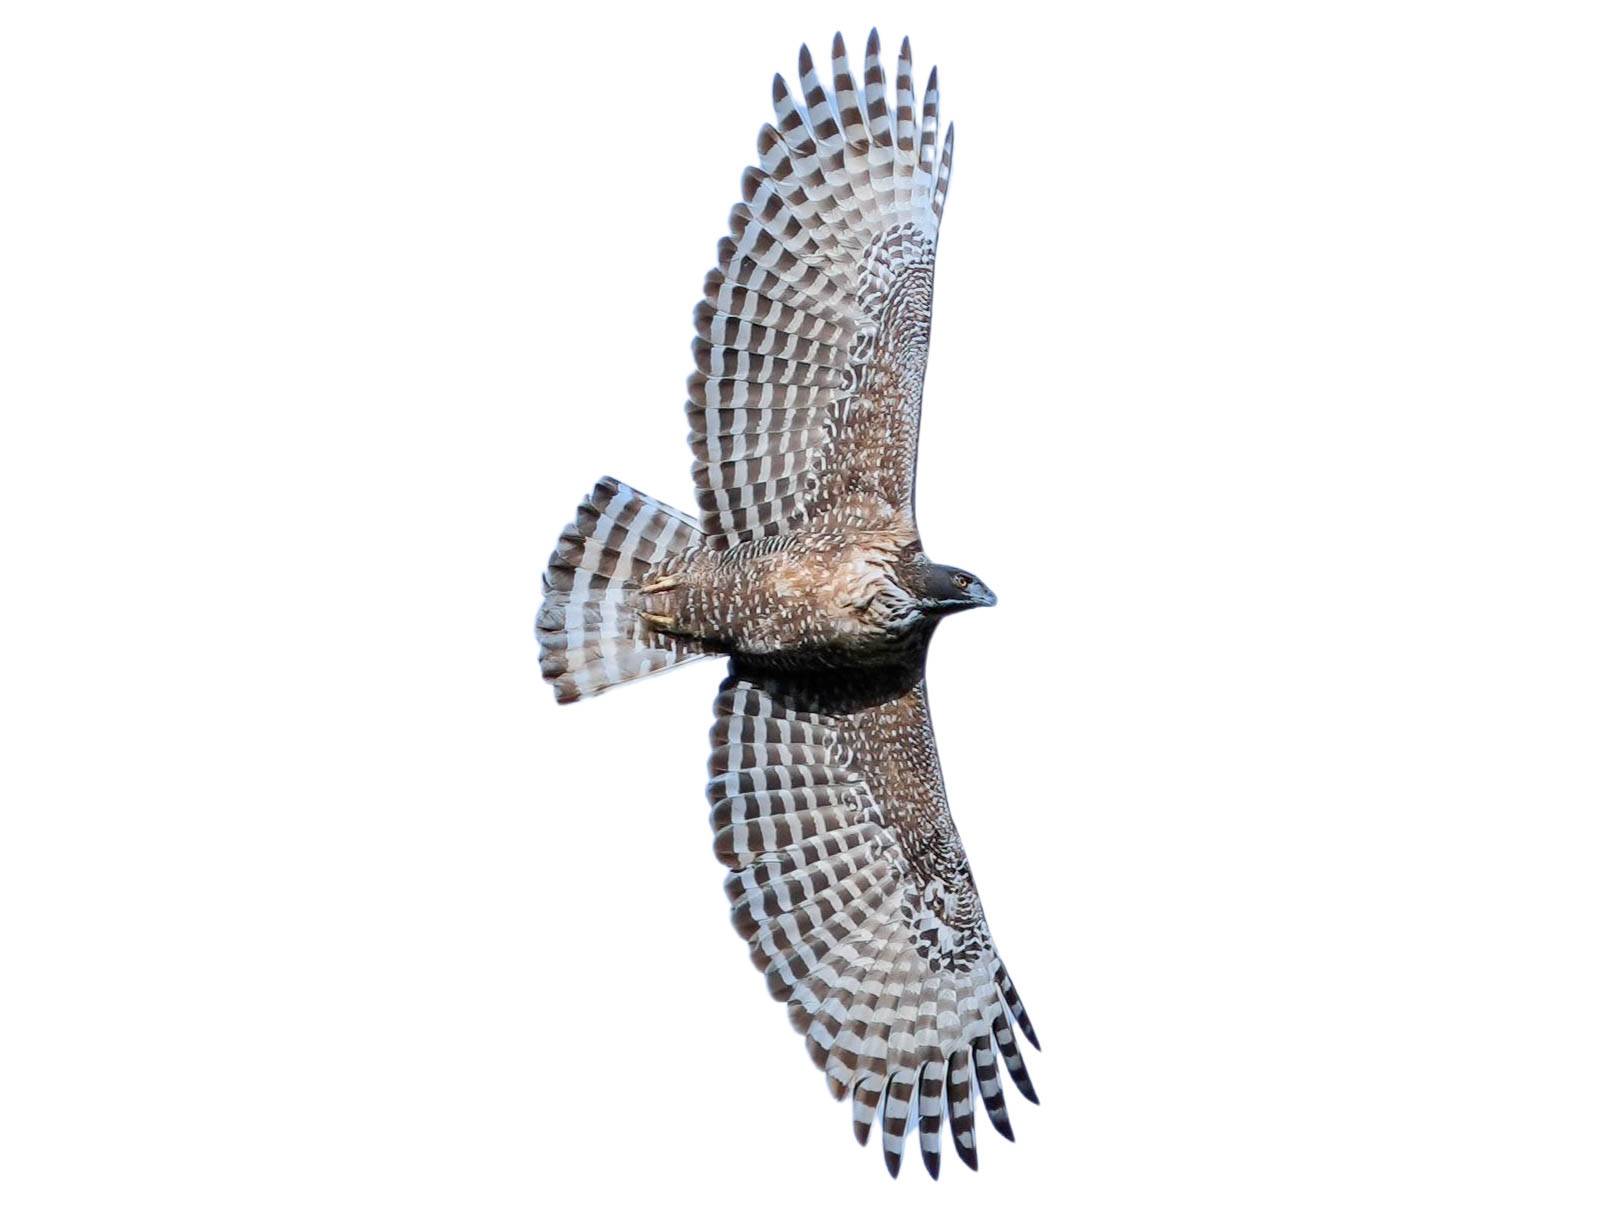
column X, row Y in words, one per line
column 942, row 178
column 864, row 1100
column 959, row 1105
column 1016, row 1005
column 897, row 1100
column 930, row 122
column 875, row 93
column 930, row 1110
column 905, row 104
column 987, row 1073
column 823, row 122
column 790, row 119
column 1008, row 1044
column 850, row 118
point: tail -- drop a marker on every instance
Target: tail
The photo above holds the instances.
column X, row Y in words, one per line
column 591, row 633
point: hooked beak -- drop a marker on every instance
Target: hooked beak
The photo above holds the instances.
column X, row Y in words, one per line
column 955, row 590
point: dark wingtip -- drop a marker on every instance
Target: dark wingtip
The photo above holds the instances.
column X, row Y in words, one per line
column 892, row 1160
column 931, row 1163
column 1021, row 1079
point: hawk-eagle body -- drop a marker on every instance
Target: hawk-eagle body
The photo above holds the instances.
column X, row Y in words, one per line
column 847, row 876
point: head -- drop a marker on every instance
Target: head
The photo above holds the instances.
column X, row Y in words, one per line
column 945, row 589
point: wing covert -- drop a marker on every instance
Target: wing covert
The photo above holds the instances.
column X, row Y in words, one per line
column 812, row 337
column 850, row 884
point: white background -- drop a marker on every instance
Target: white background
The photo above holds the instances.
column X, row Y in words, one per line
column 1274, row 389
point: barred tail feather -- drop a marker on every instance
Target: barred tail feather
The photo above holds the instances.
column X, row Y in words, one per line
column 592, row 636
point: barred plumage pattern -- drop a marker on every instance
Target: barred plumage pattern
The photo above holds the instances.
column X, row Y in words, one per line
column 592, row 636
column 850, row 884
column 846, row 874
column 813, row 331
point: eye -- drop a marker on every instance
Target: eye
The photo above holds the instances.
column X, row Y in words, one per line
column 962, row 581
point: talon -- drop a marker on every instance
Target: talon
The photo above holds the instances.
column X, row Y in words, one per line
column 658, row 621
column 667, row 583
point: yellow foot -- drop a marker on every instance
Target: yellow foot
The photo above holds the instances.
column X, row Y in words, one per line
column 667, row 583
column 657, row 621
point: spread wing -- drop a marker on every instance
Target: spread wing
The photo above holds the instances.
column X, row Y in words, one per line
column 851, row 886
column 813, row 331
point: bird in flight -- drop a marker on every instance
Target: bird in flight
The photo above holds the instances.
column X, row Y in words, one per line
column 805, row 569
